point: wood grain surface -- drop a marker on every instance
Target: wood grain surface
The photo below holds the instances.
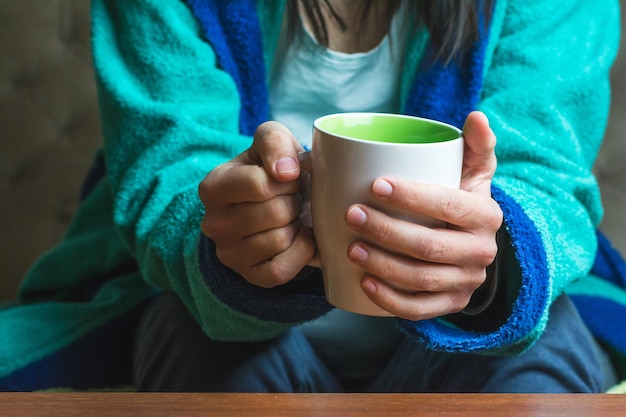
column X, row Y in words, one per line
column 309, row 405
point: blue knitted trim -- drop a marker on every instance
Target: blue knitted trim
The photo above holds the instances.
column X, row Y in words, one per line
column 299, row 301
column 100, row 359
column 609, row 263
column 233, row 30
column 448, row 93
column 606, row 319
column 529, row 306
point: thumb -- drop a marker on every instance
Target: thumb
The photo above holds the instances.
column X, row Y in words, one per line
column 276, row 149
column 479, row 158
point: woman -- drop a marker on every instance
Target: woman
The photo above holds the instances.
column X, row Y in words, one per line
column 187, row 92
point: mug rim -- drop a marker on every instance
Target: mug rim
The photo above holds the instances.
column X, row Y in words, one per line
column 321, row 119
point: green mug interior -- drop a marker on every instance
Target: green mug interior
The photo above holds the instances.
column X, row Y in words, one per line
column 388, row 128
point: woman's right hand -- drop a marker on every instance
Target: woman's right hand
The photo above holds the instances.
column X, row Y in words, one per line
column 253, row 206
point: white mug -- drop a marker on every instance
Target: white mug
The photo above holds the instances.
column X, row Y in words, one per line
column 350, row 151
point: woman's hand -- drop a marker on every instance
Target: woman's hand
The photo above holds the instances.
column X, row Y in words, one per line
column 252, row 208
column 416, row 272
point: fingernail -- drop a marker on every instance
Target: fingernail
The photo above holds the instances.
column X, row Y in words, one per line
column 358, row 253
column 286, row 165
column 382, row 188
column 356, row 216
column 369, row 286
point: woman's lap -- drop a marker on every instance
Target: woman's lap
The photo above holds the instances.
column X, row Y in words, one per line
column 173, row 354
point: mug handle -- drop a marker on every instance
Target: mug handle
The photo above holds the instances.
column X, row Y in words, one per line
column 306, row 163
column 306, row 160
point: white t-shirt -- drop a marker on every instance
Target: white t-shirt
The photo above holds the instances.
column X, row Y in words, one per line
column 309, row 81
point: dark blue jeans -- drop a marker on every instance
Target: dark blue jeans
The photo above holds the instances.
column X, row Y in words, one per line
column 173, row 354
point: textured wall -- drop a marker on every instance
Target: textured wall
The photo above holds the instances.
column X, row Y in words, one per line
column 611, row 164
column 49, row 128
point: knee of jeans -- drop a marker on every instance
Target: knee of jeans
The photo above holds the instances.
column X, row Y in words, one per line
column 297, row 366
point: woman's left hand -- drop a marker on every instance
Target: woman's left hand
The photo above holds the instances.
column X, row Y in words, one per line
column 416, row 272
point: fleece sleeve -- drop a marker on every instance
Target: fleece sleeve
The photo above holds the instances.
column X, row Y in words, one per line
column 546, row 93
column 170, row 114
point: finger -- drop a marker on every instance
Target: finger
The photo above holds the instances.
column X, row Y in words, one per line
column 276, row 149
column 458, row 207
column 479, row 160
column 231, row 184
column 258, row 248
column 246, row 219
column 274, row 213
column 417, row 306
column 437, row 245
column 412, row 275
column 284, row 266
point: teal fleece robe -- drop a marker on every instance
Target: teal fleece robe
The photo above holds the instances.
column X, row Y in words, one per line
column 182, row 87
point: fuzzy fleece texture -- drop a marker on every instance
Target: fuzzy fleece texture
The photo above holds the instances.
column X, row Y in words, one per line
column 183, row 86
